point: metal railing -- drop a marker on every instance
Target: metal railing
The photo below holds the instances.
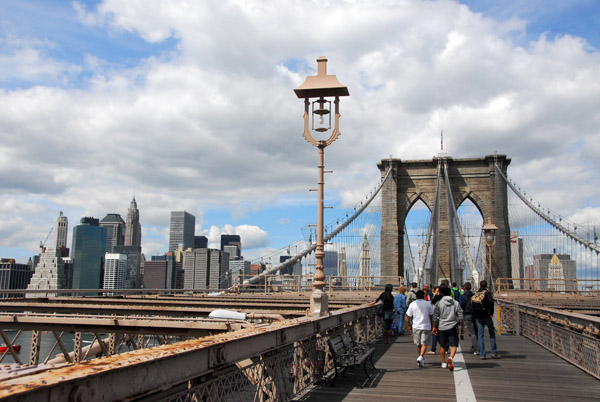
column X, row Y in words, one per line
column 574, row 337
column 264, row 363
column 565, row 286
column 334, row 283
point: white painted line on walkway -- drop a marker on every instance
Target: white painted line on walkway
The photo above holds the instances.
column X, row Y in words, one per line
column 462, row 382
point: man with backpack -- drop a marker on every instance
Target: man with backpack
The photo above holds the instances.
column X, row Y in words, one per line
column 455, row 291
column 482, row 304
column 465, row 303
column 412, row 294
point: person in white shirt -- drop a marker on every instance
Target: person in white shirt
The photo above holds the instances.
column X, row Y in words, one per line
column 419, row 321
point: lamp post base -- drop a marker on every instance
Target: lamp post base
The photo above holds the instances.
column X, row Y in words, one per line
column 319, row 303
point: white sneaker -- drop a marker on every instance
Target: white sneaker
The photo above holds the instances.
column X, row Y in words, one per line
column 421, row 361
column 444, row 365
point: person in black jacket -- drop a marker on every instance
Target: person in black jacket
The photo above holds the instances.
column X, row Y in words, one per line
column 483, row 318
column 465, row 303
column 388, row 310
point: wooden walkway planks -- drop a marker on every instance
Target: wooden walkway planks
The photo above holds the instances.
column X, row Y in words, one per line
column 525, row 372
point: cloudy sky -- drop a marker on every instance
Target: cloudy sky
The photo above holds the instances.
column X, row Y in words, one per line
column 190, row 105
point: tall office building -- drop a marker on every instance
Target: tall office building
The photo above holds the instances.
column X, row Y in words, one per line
column 231, row 240
column 181, row 230
column 206, row 268
column 50, row 273
column 133, row 274
column 89, row 247
column 232, row 251
column 365, row 264
column 115, row 266
column 161, row 272
column 133, row 229
column 14, row 275
column 330, row 263
column 343, row 266
column 517, row 259
column 115, row 231
column 546, row 267
column 155, row 274
column 62, row 230
column 556, row 274
column 200, row 242
column 240, row 271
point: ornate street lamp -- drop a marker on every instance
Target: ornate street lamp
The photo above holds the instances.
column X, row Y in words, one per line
column 489, row 235
column 317, row 119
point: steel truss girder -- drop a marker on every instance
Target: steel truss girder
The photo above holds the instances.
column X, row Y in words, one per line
column 143, row 372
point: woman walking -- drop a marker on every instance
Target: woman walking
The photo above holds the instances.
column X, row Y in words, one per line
column 400, row 309
column 388, row 310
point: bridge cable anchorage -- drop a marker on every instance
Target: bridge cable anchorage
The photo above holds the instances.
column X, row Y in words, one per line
column 291, row 261
column 474, row 271
column 565, row 230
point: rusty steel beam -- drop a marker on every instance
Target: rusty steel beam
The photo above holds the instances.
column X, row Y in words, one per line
column 287, row 304
column 144, row 372
column 117, row 324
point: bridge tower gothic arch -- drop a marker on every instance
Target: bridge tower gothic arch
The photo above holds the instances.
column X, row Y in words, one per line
column 472, row 178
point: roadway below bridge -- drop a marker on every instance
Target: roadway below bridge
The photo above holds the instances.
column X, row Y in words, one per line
column 524, row 372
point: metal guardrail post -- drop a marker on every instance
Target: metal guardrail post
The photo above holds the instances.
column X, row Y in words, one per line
column 517, row 321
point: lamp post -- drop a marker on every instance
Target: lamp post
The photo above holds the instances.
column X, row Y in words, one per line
column 489, row 235
column 317, row 119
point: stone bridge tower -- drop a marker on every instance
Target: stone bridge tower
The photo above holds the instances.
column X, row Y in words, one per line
column 472, row 178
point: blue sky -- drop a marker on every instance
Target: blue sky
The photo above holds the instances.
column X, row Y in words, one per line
column 190, row 106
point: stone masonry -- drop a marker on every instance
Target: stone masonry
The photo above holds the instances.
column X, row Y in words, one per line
column 472, row 178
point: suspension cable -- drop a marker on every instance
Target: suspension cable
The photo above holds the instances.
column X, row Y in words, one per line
column 312, row 248
column 422, row 260
column 547, row 218
column 465, row 246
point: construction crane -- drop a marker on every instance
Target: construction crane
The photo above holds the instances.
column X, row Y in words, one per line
column 43, row 243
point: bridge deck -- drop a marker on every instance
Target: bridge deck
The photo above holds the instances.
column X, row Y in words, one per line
column 526, row 372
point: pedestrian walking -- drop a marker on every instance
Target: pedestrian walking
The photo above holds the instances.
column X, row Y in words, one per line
column 465, row 303
column 447, row 315
column 434, row 299
column 482, row 304
column 419, row 321
column 400, row 310
column 387, row 299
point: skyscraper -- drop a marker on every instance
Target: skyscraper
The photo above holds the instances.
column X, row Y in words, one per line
column 200, row 242
column 89, row 247
column 330, row 263
column 545, row 267
column 365, row 263
column 231, row 240
column 115, row 231
column 181, row 230
column 133, row 276
column 62, row 230
column 517, row 259
column 206, row 268
column 133, row 229
column 50, row 273
column 343, row 266
column 115, row 266
column 240, row 269
column 13, row 275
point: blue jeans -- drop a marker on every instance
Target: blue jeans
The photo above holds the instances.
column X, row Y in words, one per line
column 399, row 320
column 481, row 324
